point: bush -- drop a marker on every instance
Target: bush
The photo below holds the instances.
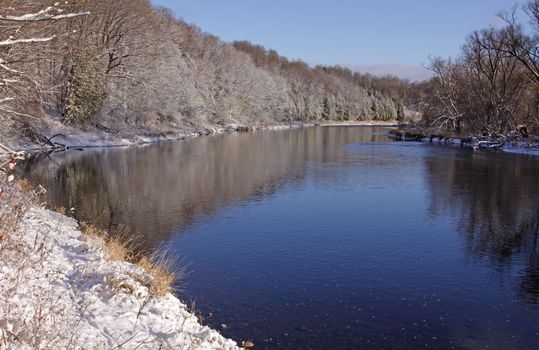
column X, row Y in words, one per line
column 84, row 92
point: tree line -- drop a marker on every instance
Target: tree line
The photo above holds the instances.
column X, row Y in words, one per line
column 124, row 64
column 127, row 65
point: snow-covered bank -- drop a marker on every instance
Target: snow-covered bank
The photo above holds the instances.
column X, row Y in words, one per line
column 517, row 147
column 522, row 148
column 359, row 123
column 58, row 290
column 71, row 138
column 526, row 146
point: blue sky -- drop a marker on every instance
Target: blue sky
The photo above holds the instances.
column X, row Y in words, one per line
column 380, row 36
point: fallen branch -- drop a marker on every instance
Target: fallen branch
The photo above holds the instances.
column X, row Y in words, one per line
column 489, row 143
column 49, row 140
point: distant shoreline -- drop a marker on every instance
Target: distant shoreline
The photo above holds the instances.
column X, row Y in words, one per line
column 74, row 139
column 387, row 123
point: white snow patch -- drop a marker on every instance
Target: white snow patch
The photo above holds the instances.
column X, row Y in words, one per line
column 58, row 291
column 521, row 149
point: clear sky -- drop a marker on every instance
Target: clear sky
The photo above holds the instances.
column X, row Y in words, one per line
column 380, row 36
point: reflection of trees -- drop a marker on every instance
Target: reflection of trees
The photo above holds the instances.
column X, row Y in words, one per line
column 159, row 189
column 529, row 281
column 495, row 199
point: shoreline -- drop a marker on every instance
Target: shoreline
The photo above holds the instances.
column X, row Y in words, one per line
column 118, row 307
column 105, row 302
column 59, row 290
column 516, row 146
column 81, row 140
column 87, row 140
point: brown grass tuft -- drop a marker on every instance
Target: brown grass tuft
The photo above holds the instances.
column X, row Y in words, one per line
column 61, row 210
column 91, row 230
column 119, row 246
column 162, row 271
column 25, row 186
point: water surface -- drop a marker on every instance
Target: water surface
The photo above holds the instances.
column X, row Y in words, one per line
column 329, row 237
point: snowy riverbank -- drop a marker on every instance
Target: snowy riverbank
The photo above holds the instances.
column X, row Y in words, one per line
column 526, row 146
column 58, row 290
column 71, row 138
column 518, row 147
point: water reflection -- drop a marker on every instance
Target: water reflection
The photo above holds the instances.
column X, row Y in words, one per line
column 160, row 189
column 494, row 199
column 329, row 237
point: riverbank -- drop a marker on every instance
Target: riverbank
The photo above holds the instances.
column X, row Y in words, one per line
column 63, row 137
column 59, row 289
column 49, row 264
column 515, row 144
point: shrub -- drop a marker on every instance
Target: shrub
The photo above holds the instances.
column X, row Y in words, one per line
column 84, row 92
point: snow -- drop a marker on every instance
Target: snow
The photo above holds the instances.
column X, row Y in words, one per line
column 43, row 15
column 12, row 41
column 77, row 138
column 57, row 290
column 517, row 147
column 522, row 148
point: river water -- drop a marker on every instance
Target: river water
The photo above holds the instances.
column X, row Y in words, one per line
column 328, row 237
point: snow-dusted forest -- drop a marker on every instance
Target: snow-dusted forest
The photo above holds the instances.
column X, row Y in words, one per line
column 125, row 65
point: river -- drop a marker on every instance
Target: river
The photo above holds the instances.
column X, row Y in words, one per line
column 327, row 237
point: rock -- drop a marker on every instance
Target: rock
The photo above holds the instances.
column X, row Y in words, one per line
column 247, row 344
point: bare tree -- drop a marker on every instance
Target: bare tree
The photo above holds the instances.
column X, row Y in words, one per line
column 518, row 44
column 28, row 30
column 129, row 64
column 113, row 43
column 483, row 90
column 495, row 82
column 444, row 108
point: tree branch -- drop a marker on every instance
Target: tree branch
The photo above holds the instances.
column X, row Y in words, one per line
column 43, row 15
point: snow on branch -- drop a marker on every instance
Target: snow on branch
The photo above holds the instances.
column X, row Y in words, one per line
column 5, row 67
column 16, row 86
column 43, row 15
column 11, row 111
column 12, row 41
column 6, row 99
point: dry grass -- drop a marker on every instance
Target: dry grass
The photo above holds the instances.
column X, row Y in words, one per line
column 162, row 271
column 120, row 246
column 61, row 210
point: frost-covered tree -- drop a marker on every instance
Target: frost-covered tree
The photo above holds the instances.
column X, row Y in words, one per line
column 29, row 33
